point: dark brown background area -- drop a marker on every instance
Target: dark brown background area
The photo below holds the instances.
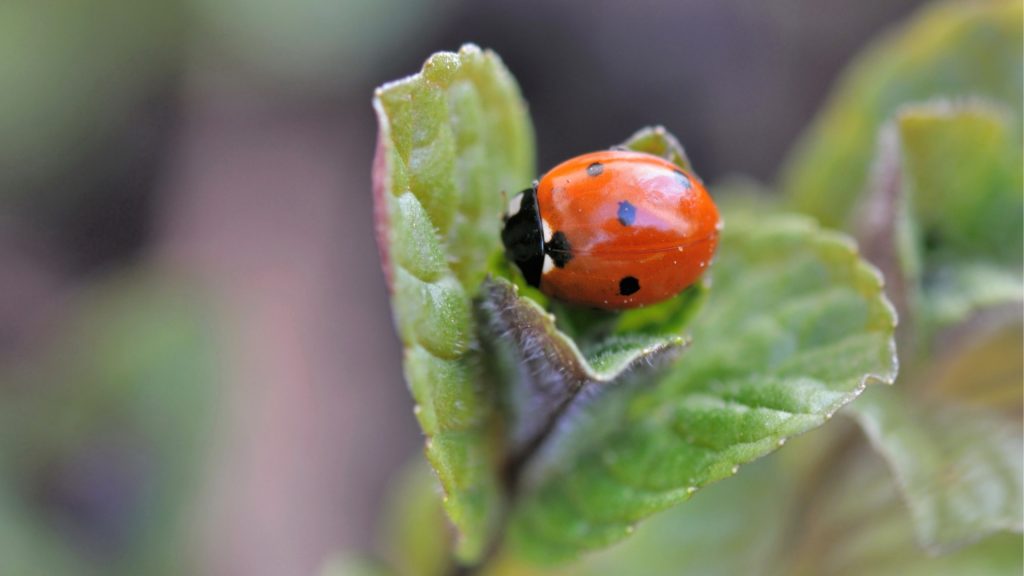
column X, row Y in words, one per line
column 236, row 153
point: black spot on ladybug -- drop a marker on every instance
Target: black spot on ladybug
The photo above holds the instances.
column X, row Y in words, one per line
column 683, row 179
column 559, row 249
column 595, row 169
column 629, row 286
column 627, row 213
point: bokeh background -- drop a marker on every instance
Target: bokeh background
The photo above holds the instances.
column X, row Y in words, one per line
column 198, row 371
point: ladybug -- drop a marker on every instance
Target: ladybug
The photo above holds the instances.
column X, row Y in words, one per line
column 612, row 230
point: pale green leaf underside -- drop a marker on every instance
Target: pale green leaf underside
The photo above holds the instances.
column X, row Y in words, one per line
column 858, row 525
column 795, row 325
column 452, row 139
column 952, row 49
column 960, row 469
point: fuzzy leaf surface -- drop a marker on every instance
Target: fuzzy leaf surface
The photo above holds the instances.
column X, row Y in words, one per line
column 451, row 139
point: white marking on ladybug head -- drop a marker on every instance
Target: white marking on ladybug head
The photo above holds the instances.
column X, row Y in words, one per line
column 549, row 264
column 515, row 204
column 546, row 229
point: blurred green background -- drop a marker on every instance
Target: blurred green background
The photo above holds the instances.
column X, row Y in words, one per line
column 198, row 371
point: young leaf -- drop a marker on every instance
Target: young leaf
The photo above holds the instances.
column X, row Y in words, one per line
column 451, row 139
column 964, row 177
column 794, row 327
column 952, row 49
column 659, row 142
column 963, row 162
column 945, row 197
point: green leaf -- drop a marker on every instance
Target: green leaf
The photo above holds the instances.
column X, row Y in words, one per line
column 414, row 537
column 832, row 509
column 960, row 469
column 856, row 524
column 945, row 197
column 794, row 328
column 659, row 142
column 730, row 528
column 451, row 140
column 965, row 166
column 951, row 49
column 594, row 438
column 964, row 178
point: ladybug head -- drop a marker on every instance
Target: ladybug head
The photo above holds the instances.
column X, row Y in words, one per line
column 523, row 236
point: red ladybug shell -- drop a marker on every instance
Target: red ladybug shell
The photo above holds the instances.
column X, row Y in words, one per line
column 623, row 229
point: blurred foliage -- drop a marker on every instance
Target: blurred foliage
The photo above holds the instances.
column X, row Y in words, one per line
column 952, row 49
column 101, row 436
column 415, row 536
column 312, row 45
column 964, row 213
column 91, row 90
column 958, row 172
column 75, row 75
column 959, row 468
column 859, row 525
